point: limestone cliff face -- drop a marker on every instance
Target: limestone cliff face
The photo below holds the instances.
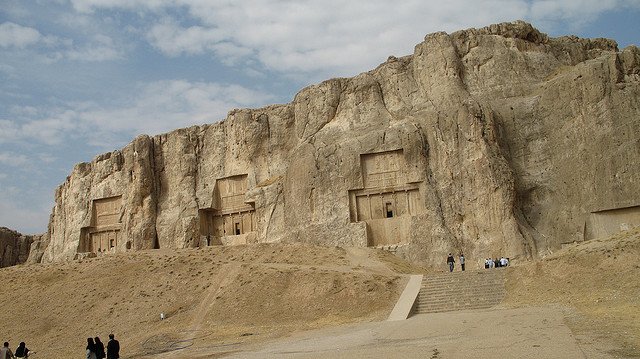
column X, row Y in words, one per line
column 14, row 247
column 492, row 141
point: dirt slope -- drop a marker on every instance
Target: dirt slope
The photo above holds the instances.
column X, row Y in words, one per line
column 600, row 279
column 211, row 297
column 225, row 297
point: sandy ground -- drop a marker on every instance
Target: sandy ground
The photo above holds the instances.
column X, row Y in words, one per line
column 301, row 301
column 535, row 332
column 215, row 295
column 600, row 279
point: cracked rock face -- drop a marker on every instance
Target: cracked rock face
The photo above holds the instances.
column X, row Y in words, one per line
column 15, row 247
column 497, row 141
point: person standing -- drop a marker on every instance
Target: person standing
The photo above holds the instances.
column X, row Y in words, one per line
column 113, row 348
column 462, row 261
column 22, row 351
column 5, row 352
column 91, row 349
column 99, row 349
column 450, row 262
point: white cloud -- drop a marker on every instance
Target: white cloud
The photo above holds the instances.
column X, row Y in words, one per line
column 9, row 131
column 158, row 107
column 52, row 130
column 326, row 37
column 12, row 159
column 166, row 105
column 47, row 157
column 173, row 40
column 88, row 6
column 7, row 70
column 27, row 218
column 100, row 48
column 577, row 12
column 330, row 37
column 16, row 35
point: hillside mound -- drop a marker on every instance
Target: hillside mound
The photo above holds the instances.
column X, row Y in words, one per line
column 598, row 278
column 213, row 296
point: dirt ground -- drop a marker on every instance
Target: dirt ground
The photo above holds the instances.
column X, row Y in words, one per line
column 523, row 333
column 210, row 296
column 272, row 299
column 600, row 279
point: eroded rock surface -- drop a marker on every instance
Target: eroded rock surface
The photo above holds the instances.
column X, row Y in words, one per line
column 14, row 247
column 493, row 141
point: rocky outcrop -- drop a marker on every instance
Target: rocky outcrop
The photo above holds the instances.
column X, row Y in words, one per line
column 14, row 247
column 492, row 141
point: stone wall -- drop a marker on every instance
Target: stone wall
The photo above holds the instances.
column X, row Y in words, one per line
column 493, row 141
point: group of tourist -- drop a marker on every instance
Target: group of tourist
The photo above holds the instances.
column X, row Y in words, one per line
column 496, row 263
column 95, row 348
column 488, row 263
column 21, row 351
column 451, row 262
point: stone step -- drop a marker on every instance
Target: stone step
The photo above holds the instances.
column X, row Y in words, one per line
column 445, row 292
column 496, row 288
column 423, row 298
column 476, row 281
column 452, row 306
column 451, row 309
column 470, row 291
column 458, row 302
column 466, row 284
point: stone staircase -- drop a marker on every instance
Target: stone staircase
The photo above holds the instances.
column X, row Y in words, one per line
column 473, row 289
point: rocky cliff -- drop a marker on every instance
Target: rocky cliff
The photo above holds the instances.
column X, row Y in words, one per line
column 492, row 141
column 14, row 247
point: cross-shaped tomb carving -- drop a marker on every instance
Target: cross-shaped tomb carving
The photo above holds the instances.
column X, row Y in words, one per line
column 386, row 201
column 230, row 215
column 103, row 233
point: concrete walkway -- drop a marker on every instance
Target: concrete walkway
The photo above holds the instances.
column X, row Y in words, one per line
column 504, row 333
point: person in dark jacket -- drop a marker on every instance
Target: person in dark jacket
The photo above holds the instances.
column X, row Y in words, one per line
column 113, row 348
column 450, row 262
column 99, row 349
column 91, row 349
column 22, row 351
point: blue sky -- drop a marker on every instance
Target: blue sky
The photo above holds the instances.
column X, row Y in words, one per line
column 83, row 77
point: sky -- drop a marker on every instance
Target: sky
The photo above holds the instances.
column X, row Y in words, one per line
column 82, row 77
